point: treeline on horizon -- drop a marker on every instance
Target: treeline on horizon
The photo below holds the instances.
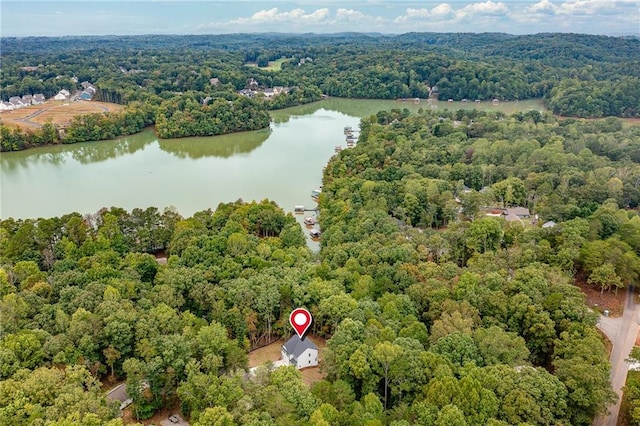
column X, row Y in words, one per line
column 434, row 314
column 576, row 75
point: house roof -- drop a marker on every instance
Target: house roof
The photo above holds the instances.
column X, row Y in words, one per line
column 519, row 211
column 549, row 224
column 296, row 346
column 511, row 217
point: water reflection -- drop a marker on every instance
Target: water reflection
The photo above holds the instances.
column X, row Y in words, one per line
column 84, row 153
column 223, row 146
column 367, row 107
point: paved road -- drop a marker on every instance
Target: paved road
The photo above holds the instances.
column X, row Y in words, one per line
column 622, row 332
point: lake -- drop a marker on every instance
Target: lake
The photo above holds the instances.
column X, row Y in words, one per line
column 282, row 163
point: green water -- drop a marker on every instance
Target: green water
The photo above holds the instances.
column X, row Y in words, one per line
column 283, row 163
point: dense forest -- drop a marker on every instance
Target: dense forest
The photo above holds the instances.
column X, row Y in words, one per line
column 577, row 75
column 434, row 313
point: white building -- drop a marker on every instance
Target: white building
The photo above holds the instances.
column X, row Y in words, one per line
column 300, row 352
column 62, row 95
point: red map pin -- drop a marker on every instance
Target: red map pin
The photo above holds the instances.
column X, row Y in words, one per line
column 300, row 320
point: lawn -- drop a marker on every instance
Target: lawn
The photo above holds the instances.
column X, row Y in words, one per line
column 272, row 66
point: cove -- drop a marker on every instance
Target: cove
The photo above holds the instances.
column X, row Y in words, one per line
column 282, row 163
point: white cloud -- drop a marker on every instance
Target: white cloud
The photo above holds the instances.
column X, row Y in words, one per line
column 273, row 15
column 412, row 14
column 543, row 6
column 583, row 7
column 483, row 8
column 319, row 20
column 442, row 11
column 350, row 15
column 455, row 15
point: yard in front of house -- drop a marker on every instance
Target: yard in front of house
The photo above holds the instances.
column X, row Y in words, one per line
column 271, row 353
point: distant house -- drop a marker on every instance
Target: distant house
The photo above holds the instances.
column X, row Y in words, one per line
column 27, row 99
column 520, row 212
column 62, row 95
column 550, row 224
column 214, row 81
column 495, row 213
column 38, row 99
column 495, row 102
column 512, row 217
column 16, row 101
column 252, row 84
column 300, row 352
column 6, row 106
column 119, row 394
column 88, row 92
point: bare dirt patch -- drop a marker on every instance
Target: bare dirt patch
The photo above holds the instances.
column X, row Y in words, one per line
column 265, row 354
column 162, row 414
column 271, row 353
column 610, row 301
column 58, row 113
column 312, row 375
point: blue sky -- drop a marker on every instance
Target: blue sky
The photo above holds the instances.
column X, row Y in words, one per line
column 89, row 17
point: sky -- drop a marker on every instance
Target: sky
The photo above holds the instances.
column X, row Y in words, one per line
column 20, row 18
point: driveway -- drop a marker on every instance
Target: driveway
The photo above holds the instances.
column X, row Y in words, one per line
column 622, row 332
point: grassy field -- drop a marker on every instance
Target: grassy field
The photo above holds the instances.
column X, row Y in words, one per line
column 58, row 113
column 273, row 65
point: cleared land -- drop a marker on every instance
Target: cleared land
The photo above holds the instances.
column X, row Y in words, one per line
column 272, row 353
column 608, row 300
column 58, row 113
column 272, row 66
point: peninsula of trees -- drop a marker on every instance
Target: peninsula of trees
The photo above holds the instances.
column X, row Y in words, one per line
column 179, row 82
column 434, row 313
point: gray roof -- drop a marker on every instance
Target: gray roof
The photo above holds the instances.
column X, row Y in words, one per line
column 519, row 211
column 296, row 346
column 512, row 217
column 549, row 224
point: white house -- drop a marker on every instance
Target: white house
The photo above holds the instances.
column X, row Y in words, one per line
column 16, row 101
column 62, row 95
column 300, row 352
column 6, row 106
